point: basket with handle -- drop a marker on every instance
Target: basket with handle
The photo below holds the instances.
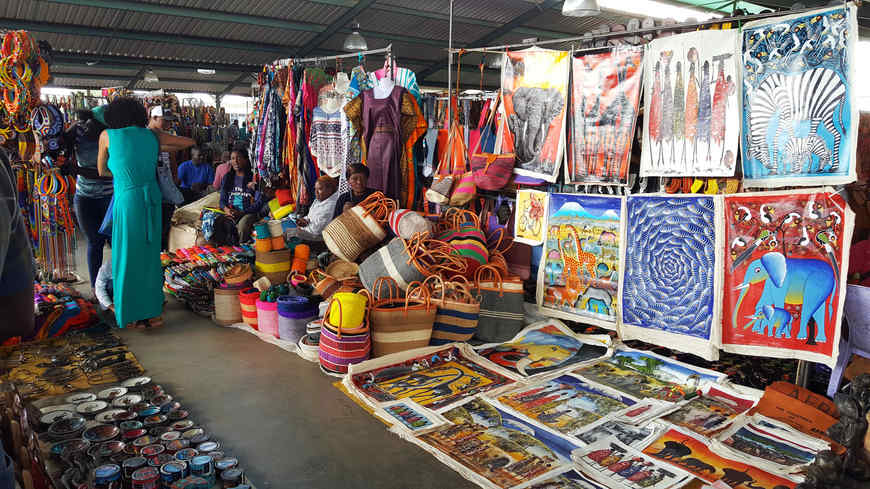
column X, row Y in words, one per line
column 409, row 260
column 340, row 347
column 359, row 228
column 501, row 305
column 461, row 229
column 400, row 324
column 458, row 310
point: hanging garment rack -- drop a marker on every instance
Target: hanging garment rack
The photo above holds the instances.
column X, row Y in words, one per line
column 287, row 61
column 640, row 32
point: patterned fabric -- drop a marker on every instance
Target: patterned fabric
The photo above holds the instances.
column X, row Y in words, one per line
column 326, row 142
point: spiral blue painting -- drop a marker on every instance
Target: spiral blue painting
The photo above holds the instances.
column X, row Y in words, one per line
column 670, row 264
column 799, row 114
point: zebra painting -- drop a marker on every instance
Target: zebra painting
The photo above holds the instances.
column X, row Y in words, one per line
column 799, row 120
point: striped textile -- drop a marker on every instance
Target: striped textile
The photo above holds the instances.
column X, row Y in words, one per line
column 336, row 353
column 454, row 321
column 390, row 261
column 501, row 310
column 469, row 242
column 396, row 329
column 351, row 233
column 464, row 190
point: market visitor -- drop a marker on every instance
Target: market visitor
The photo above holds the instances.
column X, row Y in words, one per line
column 194, row 176
column 103, row 287
column 239, row 198
column 357, row 179
column 128, row 152
column 223, row 167
column 93, row 192
column 17, row 269
column 310, row 227
column 161, row 120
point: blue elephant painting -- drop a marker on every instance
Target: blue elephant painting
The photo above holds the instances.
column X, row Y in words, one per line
column 783, row 270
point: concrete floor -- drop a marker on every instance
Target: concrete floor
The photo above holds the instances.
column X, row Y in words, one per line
column 283, row 418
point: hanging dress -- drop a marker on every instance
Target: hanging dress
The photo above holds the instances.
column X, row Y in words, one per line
column 381, row 122
column 136, row 226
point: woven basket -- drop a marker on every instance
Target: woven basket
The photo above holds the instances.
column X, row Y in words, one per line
column 340, row 347
column 341, row 269
column 227, row 309
column 502, row 315
column 248, row 305
column 407, row 261
column 294, row 314
column 359, row 228
column 458, row 310
column 267, row 317
column 238, row 274
column 402, row 324
column 274, row 265
column 263, row 245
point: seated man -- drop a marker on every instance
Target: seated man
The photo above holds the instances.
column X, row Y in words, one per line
column 357, row 179
column 194, row 176
column 320, row 213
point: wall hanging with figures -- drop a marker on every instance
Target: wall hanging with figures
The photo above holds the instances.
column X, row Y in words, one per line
column 800, row 120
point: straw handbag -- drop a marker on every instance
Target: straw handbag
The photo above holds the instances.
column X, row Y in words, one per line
column 501, row 305
column 405, row 223
column 492, row 171
column 458, row 310
column 340, row 347
column 401, row 324
column 410, row 260
column 461, row 229
column 359, row 228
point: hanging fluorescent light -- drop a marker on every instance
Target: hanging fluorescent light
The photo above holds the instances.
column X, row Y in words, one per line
column 658, row 10
column 151, row 77
column 91, row 62
column 580, row 8
column 354, row 41
column 205, row 71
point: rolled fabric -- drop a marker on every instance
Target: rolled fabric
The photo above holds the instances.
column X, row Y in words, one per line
column 267, row 317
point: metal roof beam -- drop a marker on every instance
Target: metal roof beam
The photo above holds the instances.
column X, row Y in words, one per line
column 73, row 57
column 238, row 81
column 135, row 79
column 517, row 21
column 91, row 76
column 334, row 27
column 87, row 87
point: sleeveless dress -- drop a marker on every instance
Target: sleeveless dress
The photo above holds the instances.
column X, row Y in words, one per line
column 136, row 227
column 381, row 121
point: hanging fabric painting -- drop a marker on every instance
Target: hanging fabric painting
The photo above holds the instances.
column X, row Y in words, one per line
column 670, row 273
column 605, row 100
column 535, row 85
column 785, row 273
column 579, row 273
column 692, row 120
column 530, row 225
column 800, row 120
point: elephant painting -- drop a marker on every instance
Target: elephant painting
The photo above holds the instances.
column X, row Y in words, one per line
column 808, row 282
column 534, row 110
column 776, row 320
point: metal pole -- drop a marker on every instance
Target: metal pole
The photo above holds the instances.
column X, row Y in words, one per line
column 450, row 68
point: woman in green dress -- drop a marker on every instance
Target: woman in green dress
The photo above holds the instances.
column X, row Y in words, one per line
column 128, row 152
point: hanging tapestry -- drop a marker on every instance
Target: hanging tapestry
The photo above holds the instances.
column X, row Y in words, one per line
column 531, row 219
column 565, row 404
column 579, row 273
column 692, row 119
column 605, row 101
column 618, row 466
column 683, row 450
column 535, row 85
column 435, row 377
column 800, row 120
column 545, row 346
column 496, row 449
column 670, row 273
column 785, row 273
column 711, row 411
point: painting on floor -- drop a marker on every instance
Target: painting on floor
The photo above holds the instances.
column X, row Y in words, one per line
column 633, row 436
column 568, row 480
column 434, row 381
column 579, row 273
column 692, row 120
column 785, row 273
column 711, row 411
column 693, row 455
column 621, row 467
column 411, row 416
column 669, row 273
column 535, row 86
column 497, row 446
column 545, row 346
column 800, row 119
column 606, row 96
column 565, row 404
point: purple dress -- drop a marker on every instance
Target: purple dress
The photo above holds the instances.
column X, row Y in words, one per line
column 382, row 133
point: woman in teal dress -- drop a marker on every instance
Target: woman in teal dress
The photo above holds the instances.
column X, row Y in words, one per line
column 128, row 152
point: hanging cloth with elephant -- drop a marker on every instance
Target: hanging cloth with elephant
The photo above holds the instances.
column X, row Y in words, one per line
column 785, row 273
column 800, row 119
column 535, row 85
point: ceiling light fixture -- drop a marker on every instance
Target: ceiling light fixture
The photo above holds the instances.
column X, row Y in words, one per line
column 658, row 10
column 91, row 63
column 580, row 8
column 494, row 61
column 205, row 71
column 151, row 77
column 354, row 41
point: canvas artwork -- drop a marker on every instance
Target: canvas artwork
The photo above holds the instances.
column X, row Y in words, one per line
column 568, row 480
column 633, row 436
column 711, row 411
column 681, row 449
column 621, row 467
column 692, row 119
column 579, row 274
column 666, row 369
column 606, row 96
column 434, row 381
column 644, row 411
column 535, row 86
column 670, row 271
column 770, row 444
column 543, row 347
column 800, row 119
column 411, row 416
column 565, row 404
column 631, row 382
column 530, row 224
column 497, row 446
column 785, row 273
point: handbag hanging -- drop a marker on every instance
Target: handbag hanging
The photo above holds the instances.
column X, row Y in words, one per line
column 492, row 171
column 501, row 305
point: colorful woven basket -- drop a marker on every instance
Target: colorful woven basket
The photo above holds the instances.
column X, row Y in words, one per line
column 402, row 324
column 274, row 265
column 248, row 305
column 267, row 317
column 458, row 311
column 359, row 228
